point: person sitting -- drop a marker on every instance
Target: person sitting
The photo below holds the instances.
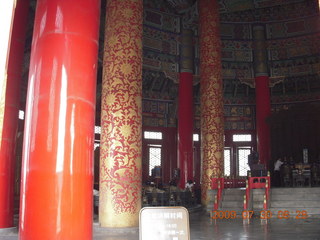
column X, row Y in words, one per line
column 173, row 185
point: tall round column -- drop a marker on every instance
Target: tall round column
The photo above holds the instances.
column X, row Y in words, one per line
column 211, row 100
column 263, row 107
column 121, row 116
column 6, row 19
column 185, row 110
column 57, row 162
column 11, row 111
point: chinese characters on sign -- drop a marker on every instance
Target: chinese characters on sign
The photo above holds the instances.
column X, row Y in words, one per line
column 164, row 223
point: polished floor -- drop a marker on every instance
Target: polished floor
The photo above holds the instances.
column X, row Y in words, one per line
column 203, row 228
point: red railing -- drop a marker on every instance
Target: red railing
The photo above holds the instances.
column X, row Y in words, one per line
column 266, row 195
column 246, row 196
column 254, row 183
column 230, row 182
column 221, row 183
column 217, row 183
column 251, row 183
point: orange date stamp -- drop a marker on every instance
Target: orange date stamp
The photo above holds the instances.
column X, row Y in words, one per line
column 264, row 214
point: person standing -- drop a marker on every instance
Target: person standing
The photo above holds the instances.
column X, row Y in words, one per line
column 277, row 166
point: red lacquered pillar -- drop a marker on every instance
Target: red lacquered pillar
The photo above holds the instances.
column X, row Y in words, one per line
column 10, row 120
column 263, row 110
column 211, row 100
column 57, row 162
column 185, row 110
column 6, row 22
column 263, row 107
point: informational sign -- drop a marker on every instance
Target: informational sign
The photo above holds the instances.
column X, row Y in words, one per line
column 164, row 223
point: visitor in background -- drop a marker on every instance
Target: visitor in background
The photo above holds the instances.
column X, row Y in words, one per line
column 189, row 185
column 276, row 172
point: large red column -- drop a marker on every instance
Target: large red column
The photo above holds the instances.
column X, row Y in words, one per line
column 10, row 120
column 263, row 110
column 6, row 20
column 263, row 107
column 57, row 161
column 185, row 110
column 185, row 128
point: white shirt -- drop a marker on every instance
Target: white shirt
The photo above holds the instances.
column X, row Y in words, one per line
column 277, row 165
column 189, row 185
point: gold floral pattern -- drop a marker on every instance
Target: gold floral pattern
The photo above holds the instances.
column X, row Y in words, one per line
column 121, row 115
column 212, row 129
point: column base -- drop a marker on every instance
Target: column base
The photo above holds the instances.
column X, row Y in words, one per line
column 114, row 231
column 8, row 231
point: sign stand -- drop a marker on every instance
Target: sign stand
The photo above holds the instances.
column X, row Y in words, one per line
column 164, row 223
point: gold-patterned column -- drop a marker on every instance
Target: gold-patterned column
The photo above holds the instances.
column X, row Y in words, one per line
column 211, row 100
column 121, row 116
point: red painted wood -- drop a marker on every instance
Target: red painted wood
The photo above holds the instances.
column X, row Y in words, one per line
column 57, row 164
column 10, row 121
column 263, row 110
column 185, row 129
